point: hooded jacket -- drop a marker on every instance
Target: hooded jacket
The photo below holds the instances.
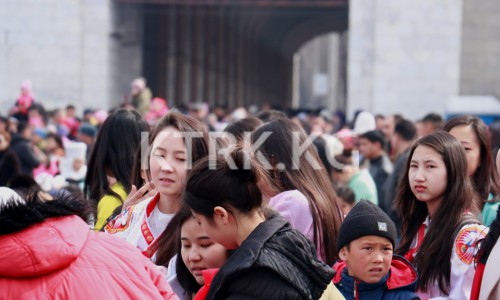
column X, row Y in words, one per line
column 399, row 283
column 59, row 257
column 274, row 262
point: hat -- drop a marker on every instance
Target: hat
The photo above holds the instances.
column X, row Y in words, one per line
column 364, row 219
column 87, row 129
column 364, row 122
column 8, row 196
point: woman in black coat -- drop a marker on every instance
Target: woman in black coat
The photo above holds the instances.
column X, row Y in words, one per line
column 271, row 260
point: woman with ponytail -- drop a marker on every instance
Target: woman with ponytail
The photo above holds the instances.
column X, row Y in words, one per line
column 271, row 260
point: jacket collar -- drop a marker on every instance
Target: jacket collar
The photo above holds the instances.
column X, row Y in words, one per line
column 401, row 274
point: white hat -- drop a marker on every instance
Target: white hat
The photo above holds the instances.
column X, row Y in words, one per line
column 9, row 196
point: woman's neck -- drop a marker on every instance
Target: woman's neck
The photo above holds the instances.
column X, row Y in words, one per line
column 247, row 224
column 432, row 207
column 169, row 205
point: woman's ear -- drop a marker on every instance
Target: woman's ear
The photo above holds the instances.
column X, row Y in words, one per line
column 221, row 215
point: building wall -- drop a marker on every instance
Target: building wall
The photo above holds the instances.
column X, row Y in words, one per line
column 126, row 50
column 321, row 68
column 404, row 56
column 480, row 59
column 62, row 46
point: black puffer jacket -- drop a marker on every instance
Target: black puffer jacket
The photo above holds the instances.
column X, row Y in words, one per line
column 274, row 262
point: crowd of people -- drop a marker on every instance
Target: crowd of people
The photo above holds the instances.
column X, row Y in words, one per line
column 194, row 202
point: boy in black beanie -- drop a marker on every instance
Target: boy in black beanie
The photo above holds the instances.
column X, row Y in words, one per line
column 368, row 269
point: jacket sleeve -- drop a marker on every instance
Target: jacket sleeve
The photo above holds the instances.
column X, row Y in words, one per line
column 159, row 281
column 260, row 283
column 462, row 260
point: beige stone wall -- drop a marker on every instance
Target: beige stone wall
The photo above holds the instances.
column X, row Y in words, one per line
column 403, row 55
column 480, row 59
column 62, row 46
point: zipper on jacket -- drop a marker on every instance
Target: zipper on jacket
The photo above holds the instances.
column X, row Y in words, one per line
column 356, row 289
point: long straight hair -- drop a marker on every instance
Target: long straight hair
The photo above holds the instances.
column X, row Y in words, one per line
column 433, row 258
column 114, row 149
column 485, row 179
column 313, row 183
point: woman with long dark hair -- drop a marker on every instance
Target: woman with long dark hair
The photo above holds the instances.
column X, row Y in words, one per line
column 175, row 142
column 109, row 170
column 473, row 134
column 435, row 200
column 300, row 186
column 271, row 260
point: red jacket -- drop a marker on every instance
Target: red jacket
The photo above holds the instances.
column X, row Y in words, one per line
column 61, row 258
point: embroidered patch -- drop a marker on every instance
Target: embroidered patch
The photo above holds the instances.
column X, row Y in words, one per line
column 382, row 226
column 466, row 242
column 121, row 222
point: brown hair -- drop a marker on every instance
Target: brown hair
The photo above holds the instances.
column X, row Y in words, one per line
column 199, row 149
column 485, row 179
column 313, row 183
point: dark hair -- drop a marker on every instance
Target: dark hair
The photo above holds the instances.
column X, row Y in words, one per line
column 374, row 136
column 199, row 149
column 184, row 276
column 314, row 183
column 217, row 183
column 323, row 153
column 17, row 216
column 21, row 126
column 485, row 179
column 25, row 186
column 345, row 193
column 435, row 119
column 57, row 139
column 489, row 241
column 164, row 254
column 113, row 151
column 406, row 130
column 344, row 159
column 184, row 124
column 437, row 244
column 238, row 128
column 271, row 115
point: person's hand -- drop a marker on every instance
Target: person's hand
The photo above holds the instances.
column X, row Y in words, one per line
column 138, row 195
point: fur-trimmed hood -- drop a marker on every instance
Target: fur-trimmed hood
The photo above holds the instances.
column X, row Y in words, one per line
column 17, row 214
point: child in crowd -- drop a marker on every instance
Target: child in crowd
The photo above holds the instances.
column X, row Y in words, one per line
column 168, row 161
column 368, row 269
column 271, row 260
column 436, row 202
column 347, row 199
column 473, row 134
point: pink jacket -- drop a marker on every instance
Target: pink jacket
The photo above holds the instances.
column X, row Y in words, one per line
column 62, row 259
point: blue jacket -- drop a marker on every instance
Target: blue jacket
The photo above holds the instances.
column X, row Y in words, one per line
column 399, row 283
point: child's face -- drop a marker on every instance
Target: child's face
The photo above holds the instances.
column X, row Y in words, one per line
column 368, row 258
column 167, row 163
column 198, row 251
column 427, row 175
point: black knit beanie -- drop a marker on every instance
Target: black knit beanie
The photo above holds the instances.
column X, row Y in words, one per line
column 364, row 219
